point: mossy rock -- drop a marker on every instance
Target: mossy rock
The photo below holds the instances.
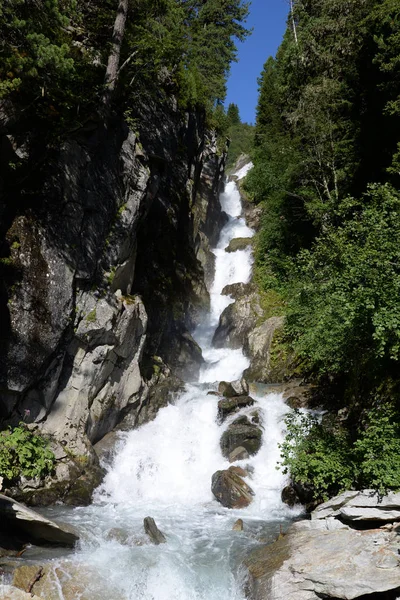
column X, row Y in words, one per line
column 239, row 244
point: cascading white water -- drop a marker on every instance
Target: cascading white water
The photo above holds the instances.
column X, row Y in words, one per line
column 164, row 469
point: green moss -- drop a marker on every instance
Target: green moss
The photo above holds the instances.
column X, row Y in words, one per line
column 121, row 209
column 7, row 262
column 272, row 304
column 156, row 369
column 15, row 245
column 91, row 317
column 128, row 299
column 283, row 363
column 111, row 275
column 239, row 244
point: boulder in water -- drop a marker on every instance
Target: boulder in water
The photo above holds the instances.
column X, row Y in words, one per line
column 230, row 490
column 238, row 453
column 289, row 496
column 239, row 244
column 227, row 406
column 230, row 389
column 238, row 525
column 33, row 527
column 249, row 436
column 150, row 527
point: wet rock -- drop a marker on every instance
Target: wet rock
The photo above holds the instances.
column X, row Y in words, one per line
column 228, row 406
column 239, row 244
column 105, row 448
column 238, row 471
column 238, row 525
column 289, row 496
column 118, row 534
column 33, row 526
column 295, row 402
column 248, row 436
column 238, row 453
column 231, row 389
column 255, row 417
column 150, row 527
column 230, row 490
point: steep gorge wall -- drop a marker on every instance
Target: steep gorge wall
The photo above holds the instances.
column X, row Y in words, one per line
column 103, row 269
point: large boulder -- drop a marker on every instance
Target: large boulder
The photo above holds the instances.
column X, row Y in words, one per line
column 239, row 244
column 325, row 559
column 264, row 365
column 32, row 526
column 230, row 490
column 365, row 505
column 244, row 434
column 228, row 406
column 240, row 318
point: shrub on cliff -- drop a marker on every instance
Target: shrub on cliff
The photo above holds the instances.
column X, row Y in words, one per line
column 24, row 454
column 322, row 454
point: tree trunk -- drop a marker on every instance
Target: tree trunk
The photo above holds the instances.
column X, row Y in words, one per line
column 293, row 22
column 111, row 76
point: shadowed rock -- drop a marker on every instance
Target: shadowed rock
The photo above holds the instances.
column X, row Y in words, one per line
column 150, row 527
column 238, row 434
column 31, row 526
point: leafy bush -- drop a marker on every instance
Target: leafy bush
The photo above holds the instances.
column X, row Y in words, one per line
column 377, row 450
column 343, row 310
column 322, row 455
column 22, row 453
column 317, row 453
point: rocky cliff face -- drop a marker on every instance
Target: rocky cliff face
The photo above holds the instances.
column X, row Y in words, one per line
column 103, row 256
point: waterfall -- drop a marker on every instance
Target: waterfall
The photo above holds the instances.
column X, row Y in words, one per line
column 164, row 469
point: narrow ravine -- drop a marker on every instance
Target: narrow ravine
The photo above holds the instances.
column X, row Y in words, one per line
column 164, row 469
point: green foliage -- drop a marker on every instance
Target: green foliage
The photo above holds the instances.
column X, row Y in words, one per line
column 233, row 114
column 344, row 312
column 22, row 453
column 320, row 453
column 317, row 454
column 54, row 55
column 377, row 450
column 241, row 138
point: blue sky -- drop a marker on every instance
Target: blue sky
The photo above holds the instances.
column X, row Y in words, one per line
column 268, row 18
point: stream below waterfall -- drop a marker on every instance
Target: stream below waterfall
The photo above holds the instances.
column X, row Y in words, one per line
column 164, row 469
